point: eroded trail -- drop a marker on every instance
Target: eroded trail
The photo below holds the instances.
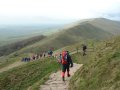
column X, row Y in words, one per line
column 55, row 81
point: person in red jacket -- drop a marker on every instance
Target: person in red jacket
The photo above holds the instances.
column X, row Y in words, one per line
column 66, row 61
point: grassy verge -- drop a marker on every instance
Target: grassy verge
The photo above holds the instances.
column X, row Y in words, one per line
column 11, row 59
column 79, row 58
column 36, row 86
column 21, row 78
column 101, row 72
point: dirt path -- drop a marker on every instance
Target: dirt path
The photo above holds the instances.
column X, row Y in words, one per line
column 16, row 64
column 55, row 81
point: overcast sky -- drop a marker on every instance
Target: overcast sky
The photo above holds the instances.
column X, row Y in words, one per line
column 56, row 11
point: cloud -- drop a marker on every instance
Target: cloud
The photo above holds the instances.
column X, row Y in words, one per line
column 56, row 10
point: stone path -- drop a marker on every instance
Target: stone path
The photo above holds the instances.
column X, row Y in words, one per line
column 55, row 81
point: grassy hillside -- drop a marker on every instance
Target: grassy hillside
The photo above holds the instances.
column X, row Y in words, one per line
column 12, row 58
column 32, row 74
column 68, row 36
column 7, row 49
column 101, row 68
column 12, row 33
column 71, row 34
column 87, row 30
column 107, row 25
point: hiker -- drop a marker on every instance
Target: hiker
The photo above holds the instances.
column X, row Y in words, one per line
column 37, row 56
column 84, row 49
column 40, row 55
column 44, row 54
column 28, row 59
column 33, row 57
column 56, row 55
column 50, row 52
column 59, row 58
column 66, row 61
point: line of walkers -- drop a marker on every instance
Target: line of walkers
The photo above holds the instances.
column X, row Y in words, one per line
column 38, row 56
column 34, row 57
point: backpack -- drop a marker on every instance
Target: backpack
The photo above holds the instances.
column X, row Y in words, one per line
column 84, row 47
column 64, row 57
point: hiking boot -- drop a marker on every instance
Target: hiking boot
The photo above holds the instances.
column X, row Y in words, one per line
column 63, row 78
column 68, row 75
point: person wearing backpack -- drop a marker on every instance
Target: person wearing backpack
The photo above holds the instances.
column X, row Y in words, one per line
column 66, row 61
column 84, row 49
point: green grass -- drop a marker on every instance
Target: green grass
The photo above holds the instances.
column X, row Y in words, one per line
column 101, row 71
column 69, row 36
column 21, row 78
column 94, row 63
column 12, row 58
column 36, row 86
column 78, row 58
column 10, row 48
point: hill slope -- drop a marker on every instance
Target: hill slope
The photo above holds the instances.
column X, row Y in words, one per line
column 101, row 72
column 8, row 49
column 73, row 34
column 96, row 29
column 12, row 33
column 107, row 25
column 22, row 77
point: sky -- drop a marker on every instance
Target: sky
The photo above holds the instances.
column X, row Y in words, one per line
column 56, row 11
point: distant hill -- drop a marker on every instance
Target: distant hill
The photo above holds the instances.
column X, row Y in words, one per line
column 95, row 29
column 7, row 49
column 101, row 65
column 10, row 34
column 107, row 25
column 76, row 32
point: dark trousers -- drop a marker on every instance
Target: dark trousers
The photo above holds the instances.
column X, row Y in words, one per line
column 65, row 67
column 84, row 52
